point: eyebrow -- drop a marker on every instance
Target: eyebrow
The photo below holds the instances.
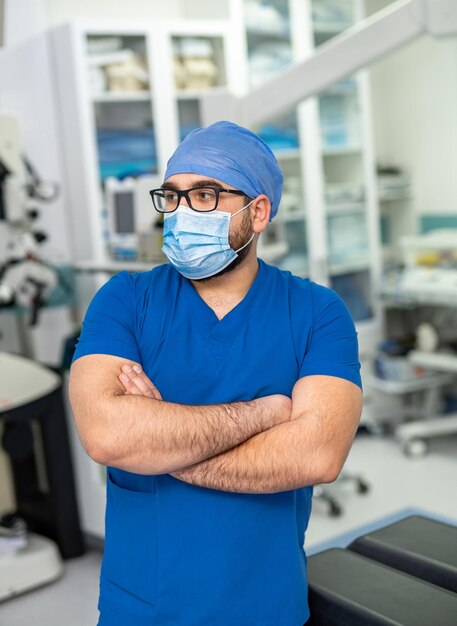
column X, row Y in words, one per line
column 207, row 182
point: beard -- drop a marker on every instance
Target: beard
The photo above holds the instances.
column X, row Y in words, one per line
column 236, row 241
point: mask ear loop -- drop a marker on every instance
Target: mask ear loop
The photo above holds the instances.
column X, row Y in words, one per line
column 246, row 244
column 242, row 209
column 249, row 241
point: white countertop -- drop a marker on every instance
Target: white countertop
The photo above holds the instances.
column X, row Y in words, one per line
column 23, row 380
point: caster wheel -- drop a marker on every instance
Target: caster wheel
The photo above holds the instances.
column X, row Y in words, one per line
column 377, row 429
column 13, row 525
column 415, row 448
column 335, row 510
column 362, row 487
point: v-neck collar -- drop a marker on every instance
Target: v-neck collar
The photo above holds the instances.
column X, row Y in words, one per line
column 222, row 329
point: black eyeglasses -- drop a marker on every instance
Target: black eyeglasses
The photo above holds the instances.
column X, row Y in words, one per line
column 198, row 198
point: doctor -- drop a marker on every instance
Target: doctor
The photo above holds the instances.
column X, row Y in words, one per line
column 217, row 389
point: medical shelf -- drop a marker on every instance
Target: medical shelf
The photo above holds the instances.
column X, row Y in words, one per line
column 345, row 208
column 330, row 28
column 427, row 381
column 435, row 360
column 332, row 211
column 192, row 94
column 283, row 154
column 326, row 140
column 350, row 266
column 341, row 151
column 263, row 35
column 122, row 96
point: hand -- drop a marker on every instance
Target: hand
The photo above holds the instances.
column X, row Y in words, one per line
column 279, row 408
column 137, row 383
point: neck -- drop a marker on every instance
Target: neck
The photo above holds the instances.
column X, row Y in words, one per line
column 233, row 284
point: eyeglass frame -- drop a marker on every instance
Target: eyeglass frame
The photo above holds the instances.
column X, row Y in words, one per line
column 185, row 192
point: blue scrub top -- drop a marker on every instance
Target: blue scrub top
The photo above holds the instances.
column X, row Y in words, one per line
column 182, row 555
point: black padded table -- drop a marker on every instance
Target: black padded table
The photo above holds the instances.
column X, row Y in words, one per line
column 347, row 589
column 416, row 545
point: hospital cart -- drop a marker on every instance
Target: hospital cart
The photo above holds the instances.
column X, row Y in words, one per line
column 31, row 396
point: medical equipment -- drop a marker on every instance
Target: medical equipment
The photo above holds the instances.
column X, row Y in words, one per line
column 437, row 248
column 429, row 278
column 132, row 228
column 429, row 275
column 25, row 278
column 323, row 493
column 393, row 182
column 32, row 409
column 12, row 175
column 414, row 436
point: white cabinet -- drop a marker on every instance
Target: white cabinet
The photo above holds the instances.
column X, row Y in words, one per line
column 128, row 93
column 329, row 210
column 328, row 221
column 196, row 56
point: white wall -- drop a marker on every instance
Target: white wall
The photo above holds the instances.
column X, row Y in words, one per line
column 25, row 69
column 2, row 11
column 63, row 10
column 28, row 94
column 414, row 96
column 23, row 19
column 27, row 17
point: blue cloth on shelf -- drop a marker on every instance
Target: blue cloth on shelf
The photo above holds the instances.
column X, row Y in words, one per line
column 126, row 152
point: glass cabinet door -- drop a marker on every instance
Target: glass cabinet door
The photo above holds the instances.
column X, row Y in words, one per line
column 321, row 148
column 270, row 51
column 198, row 65
column 122, row 111
column 344, row 170
column 119, row 86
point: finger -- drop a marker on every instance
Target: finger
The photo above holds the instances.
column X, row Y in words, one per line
column 129, row 385
column 141, row 381
column 156, row 392
column 138, row 376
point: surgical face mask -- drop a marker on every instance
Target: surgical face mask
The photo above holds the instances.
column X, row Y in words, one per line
column 197, row 243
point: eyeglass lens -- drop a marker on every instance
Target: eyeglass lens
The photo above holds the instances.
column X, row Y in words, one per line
column 201, row 199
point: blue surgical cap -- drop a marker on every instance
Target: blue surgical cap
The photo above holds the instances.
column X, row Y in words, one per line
column 233, row 155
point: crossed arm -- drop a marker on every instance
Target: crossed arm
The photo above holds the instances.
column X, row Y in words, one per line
column 309, row 449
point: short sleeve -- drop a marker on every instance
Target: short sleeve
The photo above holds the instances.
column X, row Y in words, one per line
column 333, row 346
column 109, row 324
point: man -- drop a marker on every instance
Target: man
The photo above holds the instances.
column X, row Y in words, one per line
column 217, row 390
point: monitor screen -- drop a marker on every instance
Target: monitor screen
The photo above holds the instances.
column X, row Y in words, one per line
column 124, row 212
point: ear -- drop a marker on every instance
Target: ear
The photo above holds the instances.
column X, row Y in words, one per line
column 261, row 209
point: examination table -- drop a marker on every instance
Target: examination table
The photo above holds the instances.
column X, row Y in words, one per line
column 404, row 574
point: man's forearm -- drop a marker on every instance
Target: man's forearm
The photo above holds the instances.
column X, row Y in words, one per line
column 287, row 456
column 149, row 436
